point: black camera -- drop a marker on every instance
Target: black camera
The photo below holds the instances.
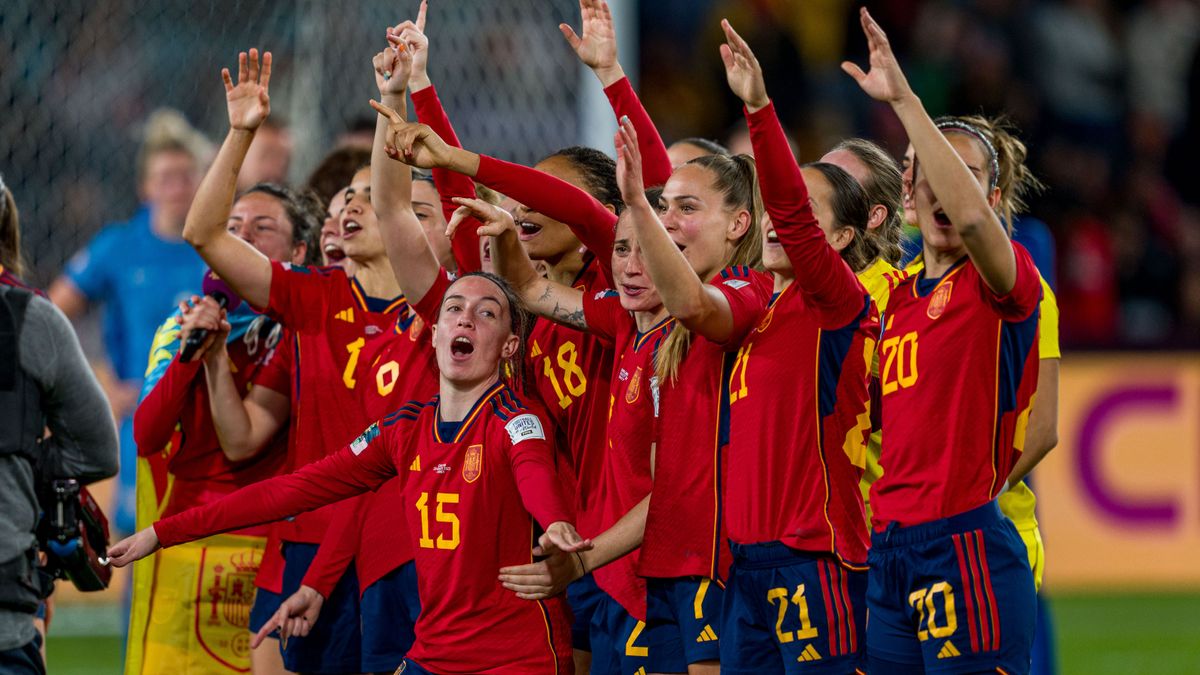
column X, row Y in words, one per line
column 73, row 533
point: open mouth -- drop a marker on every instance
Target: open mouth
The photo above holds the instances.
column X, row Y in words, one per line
column 334, row 253
column 942, row 219
column 632, row 291
column 461, row 347
column 772, row 237
column 349, row 228
column 527, row 230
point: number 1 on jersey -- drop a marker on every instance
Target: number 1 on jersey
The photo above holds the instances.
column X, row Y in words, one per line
column 348, row 374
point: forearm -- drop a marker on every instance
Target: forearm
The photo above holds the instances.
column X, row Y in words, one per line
column 685, row 295
column 538, row 484
column 656, row 164
column 231, row 420
column 156, row 416
column 1041, row 435
column 543, row 297
column 623, row 537
column 960, row 196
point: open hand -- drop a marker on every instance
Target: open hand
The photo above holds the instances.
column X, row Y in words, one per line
column 885, row 81
column 742, row 71
column 542, row 579
column 134, row 547
column 561, row 536
column 629, row 163
column 597, row 48
column 249, row 101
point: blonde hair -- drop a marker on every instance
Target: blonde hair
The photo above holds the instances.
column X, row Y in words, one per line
column 1014, row 179
column 10, row 232
column 736, row 178
column 167, row 130
column 883, row 186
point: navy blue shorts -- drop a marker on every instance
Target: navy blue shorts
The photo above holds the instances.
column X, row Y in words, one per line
column 787, row 611
column 334, row 644
column 583, row 595
column 617, row 638
column 682, row 619
column 265, row 605
column 389, row 613
column 951, row 596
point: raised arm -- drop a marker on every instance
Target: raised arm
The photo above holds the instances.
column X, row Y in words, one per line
column 449, row 184
column 546, row 298
column 413, row 262
column 694, row 303
column 235, row 260
column 159, row 411
column 597, row 49
column 958, row 192
column 819, row 270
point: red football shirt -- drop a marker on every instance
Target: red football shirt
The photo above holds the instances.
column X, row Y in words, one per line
column 799, row 405
column 175, row 420
column 334, row 321
column 958, row 366
column 633, row 409
column 570, row 373
column 685, row 534
column 473, row 499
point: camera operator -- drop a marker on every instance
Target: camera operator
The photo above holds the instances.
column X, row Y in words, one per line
column 45, row 383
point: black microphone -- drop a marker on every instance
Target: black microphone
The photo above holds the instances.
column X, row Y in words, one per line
column 215, row 288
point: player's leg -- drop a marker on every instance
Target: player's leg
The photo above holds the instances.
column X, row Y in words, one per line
column 334, row 645
column 388, row 619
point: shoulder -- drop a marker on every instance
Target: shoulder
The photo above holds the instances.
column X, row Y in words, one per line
column 409, row 412
column 521, row 421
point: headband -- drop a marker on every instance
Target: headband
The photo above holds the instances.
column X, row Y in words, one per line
column 972, row 130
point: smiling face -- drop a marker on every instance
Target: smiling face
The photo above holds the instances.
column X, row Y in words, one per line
column 937, row 231
column 361, row 239
column 637, row 291
column 474, row 332
column 331, row 232
column 261, row 220
column 427, row 205
column 699, row 221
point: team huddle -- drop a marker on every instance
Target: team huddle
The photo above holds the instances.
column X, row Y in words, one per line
column 678, row 413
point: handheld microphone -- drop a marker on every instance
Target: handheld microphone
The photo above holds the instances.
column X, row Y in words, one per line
column 215, row 288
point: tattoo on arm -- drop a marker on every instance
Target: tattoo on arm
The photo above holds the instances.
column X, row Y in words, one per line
column 574, row 319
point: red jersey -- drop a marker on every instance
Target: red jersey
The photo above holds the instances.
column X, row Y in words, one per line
column 334, row 321
column 175, row 421
column 958, row 366
column 632, row 417
column 474, row 493
column 685, row 532
column 405, row 369
column 7, row 278
column 570, row 372
column 798, row 398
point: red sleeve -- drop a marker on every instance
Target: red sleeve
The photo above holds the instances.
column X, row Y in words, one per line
column 748, row 293
column 821, row 274
column 300, row 295
column 656, row 165
column 604, row 315
column 1026, row 293
column 594, row 225
column 427, row 307
column 276, row 373
column 156, row 416
column 343, row 474
column 270, row 570
column 532, row 458
column 450, row 184
column 338, row 547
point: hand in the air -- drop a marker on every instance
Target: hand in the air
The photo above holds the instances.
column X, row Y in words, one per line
column 597, row 48
column 249, row 101
column 742, row 70
column 885, row 81
column 412, row 143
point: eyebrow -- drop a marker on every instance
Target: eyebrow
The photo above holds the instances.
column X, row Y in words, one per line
column 425, row 204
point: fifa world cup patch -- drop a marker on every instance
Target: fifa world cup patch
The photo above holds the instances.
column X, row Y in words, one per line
column 524, row 427
column 939, row 299
column 736, row 284
column 359, row 444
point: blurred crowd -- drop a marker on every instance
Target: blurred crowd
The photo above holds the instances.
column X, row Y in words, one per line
column 1105, row 93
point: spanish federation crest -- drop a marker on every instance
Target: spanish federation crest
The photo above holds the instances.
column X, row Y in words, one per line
column 473, row 463
column 939, row 299
column 635, row 386
column 226, row 593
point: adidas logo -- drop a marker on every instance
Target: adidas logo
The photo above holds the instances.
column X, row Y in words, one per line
column 416, row 464
column 949, row 651
column 810, row 653
column 346, row 315
column 707, row 635
column 640, row 671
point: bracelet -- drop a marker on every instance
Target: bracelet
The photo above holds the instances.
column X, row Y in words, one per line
column 582, row 565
